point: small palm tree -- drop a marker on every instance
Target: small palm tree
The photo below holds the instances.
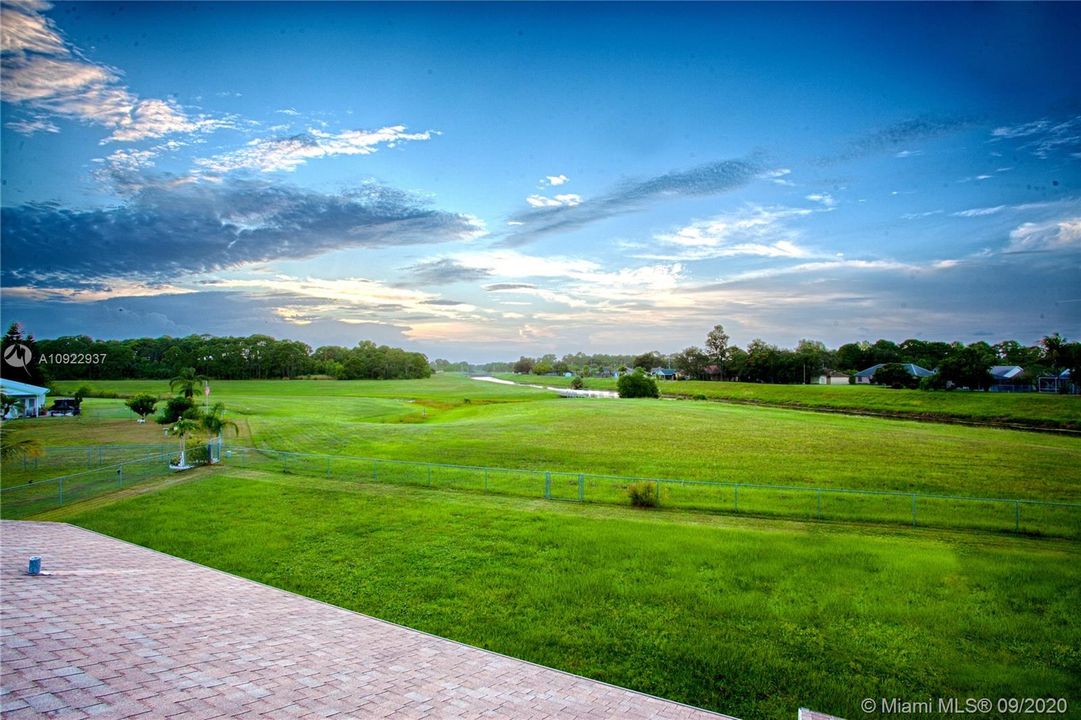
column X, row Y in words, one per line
column 182, row 428
column 13, row 447
column 214, row 422
column 186, row 381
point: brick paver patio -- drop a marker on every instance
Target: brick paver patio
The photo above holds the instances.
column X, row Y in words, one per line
column 119, row 631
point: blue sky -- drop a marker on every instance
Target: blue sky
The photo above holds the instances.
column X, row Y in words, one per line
column 480, row 181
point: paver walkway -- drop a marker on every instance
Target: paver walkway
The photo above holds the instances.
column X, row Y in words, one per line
column 120, row 631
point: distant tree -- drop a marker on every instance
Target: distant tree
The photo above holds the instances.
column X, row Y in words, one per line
column 22, row 363
column 543, row 367
column 637, row 385
column 1052, row 348
column 691, row 362
column 811, row 357
column 186, row 381
column 967, row 367
column 717, row 347
column 524, row 366
column 895, row 375
column 649, row 360
column 142, row 404
column 853, row 356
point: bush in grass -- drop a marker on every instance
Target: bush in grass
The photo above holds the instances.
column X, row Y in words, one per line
column 643, row 494
column 636, row 385
column 142, row 404
column 174, row 409
column 195, row 455
column 699, row 397
column 577, row 383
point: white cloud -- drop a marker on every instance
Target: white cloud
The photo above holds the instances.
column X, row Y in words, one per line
column 1054, row 235
column 566, row 200
column 33, row 125
column 287, row 154
column 753, row 230
column 778, row 177
column 551, row 180
column 43, row 72
column 908, row 153
column 979, row 212
column 824, row 198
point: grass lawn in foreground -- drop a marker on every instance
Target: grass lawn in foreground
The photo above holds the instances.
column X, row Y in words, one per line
column 524, row 428
column 750, row 618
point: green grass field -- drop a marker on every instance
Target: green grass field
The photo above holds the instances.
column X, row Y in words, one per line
column 747, row 615
column 505, row 426
column 751, row 618
column 1026, row 409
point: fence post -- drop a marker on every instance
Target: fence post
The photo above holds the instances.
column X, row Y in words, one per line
column 547, row 486
column 737, row 497
column 89, row 457
column 913, row 511
column 120, row 476
column 819, row 513
column 285, row 462
column 581, row 487
column 61, row 491
column 1016, row 516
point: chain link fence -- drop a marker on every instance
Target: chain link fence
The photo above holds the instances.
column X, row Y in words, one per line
column 29, row 498
column 1032, row 517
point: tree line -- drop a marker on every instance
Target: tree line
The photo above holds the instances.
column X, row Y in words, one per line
column 957, row 363
column 256, row 357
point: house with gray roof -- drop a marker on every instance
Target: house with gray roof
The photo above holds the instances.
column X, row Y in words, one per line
column 864, row 377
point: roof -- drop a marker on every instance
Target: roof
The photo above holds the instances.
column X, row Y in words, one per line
column 913, row 369
column 663, row 371
column 1006, row 372
column 15, row 388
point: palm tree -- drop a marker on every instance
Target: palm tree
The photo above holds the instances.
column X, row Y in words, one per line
column 186, row 381
column 214, row 422
column 13, row 447
column 182, row 428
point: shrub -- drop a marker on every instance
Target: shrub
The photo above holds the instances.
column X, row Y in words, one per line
column 577, row 383
column 142, row 404
column 637, row 385
column 699, row 397
column 174, row 409
column 643, row 494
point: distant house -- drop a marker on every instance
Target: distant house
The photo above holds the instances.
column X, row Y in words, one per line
column 29, row 399
column 1009, row 378
column 832, row 377
column 663, row 373
column 1057, row 383
column 864, row 377
column 713, row 372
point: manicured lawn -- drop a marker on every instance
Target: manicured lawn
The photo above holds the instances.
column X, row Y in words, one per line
column 1038, row 409
column 747, row 617
column 524, row 428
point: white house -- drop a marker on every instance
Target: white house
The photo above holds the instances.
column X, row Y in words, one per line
column 30, row 399
column 832, row 377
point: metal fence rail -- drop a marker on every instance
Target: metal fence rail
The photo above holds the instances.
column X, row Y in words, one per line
column 1014, row 515
column 56, row 460
column 35, row 496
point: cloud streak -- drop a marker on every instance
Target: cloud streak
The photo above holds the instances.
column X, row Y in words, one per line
column 710, row 179
column 161, row 234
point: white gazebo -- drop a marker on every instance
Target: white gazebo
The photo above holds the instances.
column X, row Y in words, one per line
column 31, row 398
